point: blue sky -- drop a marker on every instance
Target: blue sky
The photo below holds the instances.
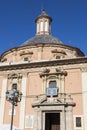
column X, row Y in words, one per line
column 17, row 21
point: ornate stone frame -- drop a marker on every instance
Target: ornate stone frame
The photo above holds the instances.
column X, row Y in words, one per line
column 45, row 105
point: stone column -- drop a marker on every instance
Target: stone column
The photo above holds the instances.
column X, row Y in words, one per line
column 3, row 98
column 69, row 115
column 84, row 90
column 22, row 103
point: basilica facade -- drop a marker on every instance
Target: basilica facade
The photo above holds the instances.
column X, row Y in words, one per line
column 52, row 77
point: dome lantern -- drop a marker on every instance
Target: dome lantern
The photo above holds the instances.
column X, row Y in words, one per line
column 43, row 22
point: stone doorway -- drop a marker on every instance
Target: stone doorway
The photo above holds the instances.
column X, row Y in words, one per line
column 52, row 121
column 53, row 113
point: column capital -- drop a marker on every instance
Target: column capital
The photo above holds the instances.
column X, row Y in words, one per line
column 25, row 74
column 84, row 69
column 69, row 109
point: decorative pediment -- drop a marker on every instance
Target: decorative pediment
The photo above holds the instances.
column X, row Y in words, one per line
column 51, row 101
column 58, row 71
column 14, row 76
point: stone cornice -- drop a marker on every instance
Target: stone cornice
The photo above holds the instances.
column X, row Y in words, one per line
column 80, row 53
column 38, row 64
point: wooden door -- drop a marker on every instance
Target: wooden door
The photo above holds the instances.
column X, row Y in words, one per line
column 52, row 121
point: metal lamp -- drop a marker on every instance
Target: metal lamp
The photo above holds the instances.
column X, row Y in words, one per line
column 13, row 96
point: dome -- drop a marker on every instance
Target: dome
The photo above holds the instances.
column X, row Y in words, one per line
column 43, row 34
column 42, row 39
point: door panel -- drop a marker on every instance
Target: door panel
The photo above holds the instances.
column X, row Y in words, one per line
column 52, row 121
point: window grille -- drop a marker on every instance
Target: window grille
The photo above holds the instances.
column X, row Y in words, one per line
column 78, row 122
column 26, row 59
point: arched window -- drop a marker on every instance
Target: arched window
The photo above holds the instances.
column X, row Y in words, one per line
column 52, row 84
column 14, row 86
column 41, row 26
column 46, row 26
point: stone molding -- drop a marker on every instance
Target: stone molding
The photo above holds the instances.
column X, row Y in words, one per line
column 49, row 63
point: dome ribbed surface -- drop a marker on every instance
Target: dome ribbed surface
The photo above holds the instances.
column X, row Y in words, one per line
column 42, row 39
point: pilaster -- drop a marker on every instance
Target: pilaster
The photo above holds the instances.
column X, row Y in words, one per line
column 44, row 85
column 69, row 115
column 37, row 119
column 3, row 98
column 22, row 103
column 40, row 51
column 62, row 120
column 62, row 86
column 84, row 90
